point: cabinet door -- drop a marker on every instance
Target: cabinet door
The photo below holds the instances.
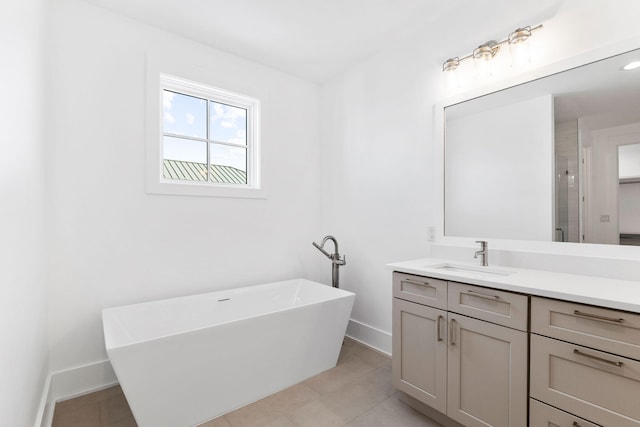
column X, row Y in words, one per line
column 487, row 381
column 420, row 352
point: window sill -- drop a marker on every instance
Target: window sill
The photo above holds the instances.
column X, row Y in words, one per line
column 204, row 190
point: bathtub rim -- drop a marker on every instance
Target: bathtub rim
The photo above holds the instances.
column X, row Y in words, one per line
column 340, row 294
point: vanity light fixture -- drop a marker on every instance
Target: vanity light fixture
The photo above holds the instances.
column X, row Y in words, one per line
column 631, row 66
column 519, row 45
column 452, row 79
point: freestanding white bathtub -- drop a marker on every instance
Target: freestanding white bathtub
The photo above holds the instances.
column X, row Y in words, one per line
column 183, row 361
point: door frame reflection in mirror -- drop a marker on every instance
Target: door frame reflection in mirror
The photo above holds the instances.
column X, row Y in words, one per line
column 629, row 183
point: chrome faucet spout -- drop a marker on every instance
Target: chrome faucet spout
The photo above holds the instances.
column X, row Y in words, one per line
column 483, row 252
column 333, row 239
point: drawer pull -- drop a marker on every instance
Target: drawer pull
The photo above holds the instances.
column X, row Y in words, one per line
column 599, row 359
column 481, row 295
column 597, row 317
column 414, row 282
column 576, row 424
column 439, row 328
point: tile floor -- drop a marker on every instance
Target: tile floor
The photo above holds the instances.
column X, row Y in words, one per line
column 356, row 393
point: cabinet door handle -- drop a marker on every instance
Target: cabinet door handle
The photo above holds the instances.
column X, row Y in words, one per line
column 415, row 282
column 597, row 316
column 481, row 295
column 599, row 359
column 452, row 332
column 439, row 328
column 576, row 424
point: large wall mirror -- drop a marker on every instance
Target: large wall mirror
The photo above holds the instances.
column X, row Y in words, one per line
column 554, row 159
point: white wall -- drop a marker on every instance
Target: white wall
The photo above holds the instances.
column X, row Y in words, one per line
column 112, row 243
column 376, row 172
column 493, row 160
column 23, row 348
column 378, row 138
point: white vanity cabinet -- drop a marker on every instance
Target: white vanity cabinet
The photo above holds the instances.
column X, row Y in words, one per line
column 585, row 360
column 461, row 349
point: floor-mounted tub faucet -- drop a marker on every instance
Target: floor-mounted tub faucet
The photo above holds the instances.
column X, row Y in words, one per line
column 483, row 252
column 336, row 259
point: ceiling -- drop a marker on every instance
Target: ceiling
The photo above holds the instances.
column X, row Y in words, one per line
column 601, row 89
column 317, row 39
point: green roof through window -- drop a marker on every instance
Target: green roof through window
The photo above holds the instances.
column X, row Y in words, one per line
column 192, row 171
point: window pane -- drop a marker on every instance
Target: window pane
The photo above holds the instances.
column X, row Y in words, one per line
column 228, row 123
column 228, row 164
column 184, row 114
column 184, row 159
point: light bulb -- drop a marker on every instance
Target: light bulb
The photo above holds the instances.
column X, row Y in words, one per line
column 451, row 73
column 482, row 57
column 520, row 47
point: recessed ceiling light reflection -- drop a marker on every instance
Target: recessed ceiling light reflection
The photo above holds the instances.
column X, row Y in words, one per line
column 631, row 66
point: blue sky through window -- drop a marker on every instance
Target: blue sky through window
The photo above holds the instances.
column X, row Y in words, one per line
column 228, row 123
column 187, row 115
column 184, row 115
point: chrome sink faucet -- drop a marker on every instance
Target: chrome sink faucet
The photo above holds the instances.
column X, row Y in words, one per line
column 483, row 252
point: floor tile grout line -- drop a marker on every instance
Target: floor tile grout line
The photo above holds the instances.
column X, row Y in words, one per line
column 371, row 409
column 357, row 377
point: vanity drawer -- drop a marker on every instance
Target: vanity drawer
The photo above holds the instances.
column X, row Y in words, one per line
column 601, row 387
column 501, row 307
column 541, row 415
column 420, row 289
column 601, row 328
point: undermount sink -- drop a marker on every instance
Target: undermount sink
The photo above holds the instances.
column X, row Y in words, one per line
column 470, row 269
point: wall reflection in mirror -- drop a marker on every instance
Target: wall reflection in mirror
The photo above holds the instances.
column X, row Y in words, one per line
column 555, row 159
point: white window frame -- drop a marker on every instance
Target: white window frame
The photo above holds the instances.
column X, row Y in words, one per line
column 156, row 183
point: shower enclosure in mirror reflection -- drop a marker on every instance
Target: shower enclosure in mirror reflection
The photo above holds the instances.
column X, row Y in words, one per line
column 540, row 161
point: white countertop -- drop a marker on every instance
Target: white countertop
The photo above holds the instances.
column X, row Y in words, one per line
column 601, row 291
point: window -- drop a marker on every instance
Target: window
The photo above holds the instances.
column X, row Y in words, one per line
column 208, row 141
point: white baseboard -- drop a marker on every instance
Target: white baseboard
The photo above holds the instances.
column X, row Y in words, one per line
column 70, row 383
column 43, row 416
column 81, row 380
column 370, row 336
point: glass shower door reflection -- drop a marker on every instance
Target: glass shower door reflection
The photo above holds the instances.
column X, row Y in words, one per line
column 561, row 200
